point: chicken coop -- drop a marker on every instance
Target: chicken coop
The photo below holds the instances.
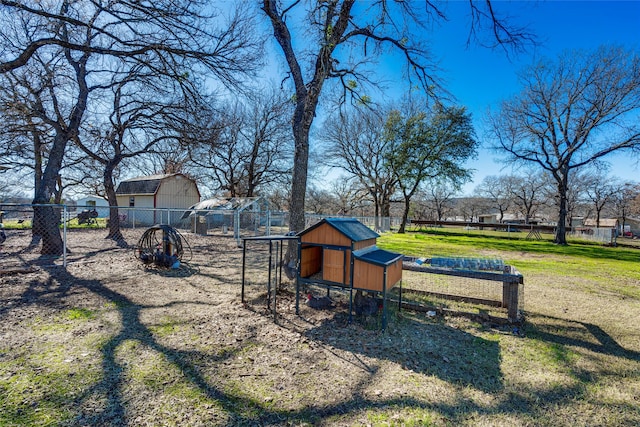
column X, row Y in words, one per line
column 342, row 253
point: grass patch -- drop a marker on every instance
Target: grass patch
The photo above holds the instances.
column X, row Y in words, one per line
column 79, row 314
column 448, row 242
column 398, row 416
column 614, row 269
column 166, row 327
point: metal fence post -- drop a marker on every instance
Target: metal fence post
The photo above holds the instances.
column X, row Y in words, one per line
column 64, row 235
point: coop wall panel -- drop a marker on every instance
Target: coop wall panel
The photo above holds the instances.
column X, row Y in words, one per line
column 367, row 276
column 370, row 277
column 394, row 274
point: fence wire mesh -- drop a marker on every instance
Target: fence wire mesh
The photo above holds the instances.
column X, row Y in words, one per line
column 477, row 286
column 607, row 236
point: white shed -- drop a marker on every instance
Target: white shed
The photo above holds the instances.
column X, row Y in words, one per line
column 153, row 199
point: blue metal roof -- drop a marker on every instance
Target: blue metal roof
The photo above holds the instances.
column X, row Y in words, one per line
column 377, row 256
column 350, row 227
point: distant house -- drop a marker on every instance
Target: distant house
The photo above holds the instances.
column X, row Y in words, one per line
column 631, row 226
column 94, row 202
column 604, row 223
column 154, row 199
column 508, row 218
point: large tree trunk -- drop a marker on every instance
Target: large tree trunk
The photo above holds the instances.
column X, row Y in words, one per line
column 405, row 215
column 114, row 219
column 46, row 218
column 561, row 230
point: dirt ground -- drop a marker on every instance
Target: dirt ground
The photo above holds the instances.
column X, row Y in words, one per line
column 110, row 341
column 190, row 322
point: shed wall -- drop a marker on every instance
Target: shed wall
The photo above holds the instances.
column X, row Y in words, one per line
column 141, row 201
column 177, row 192
column 142, row 214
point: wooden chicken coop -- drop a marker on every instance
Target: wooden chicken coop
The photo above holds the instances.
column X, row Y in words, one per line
column 342, row 253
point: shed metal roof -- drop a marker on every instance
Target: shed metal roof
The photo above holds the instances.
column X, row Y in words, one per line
column 142, row 184
column 350, row 227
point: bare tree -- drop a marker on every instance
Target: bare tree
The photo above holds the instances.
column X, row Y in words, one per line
column 498, row 190
column 528, row 194
column 167, row 37
column 470, row 208
column 600, row 191
column 572, row 113
column 144, row 112
column 54, row 91
column 248, row 148
column 439, row 196
column 623, row 201
column 174, row 32
column 356, row 144
column 342, row 42
column 349, row 196
column 321, row 201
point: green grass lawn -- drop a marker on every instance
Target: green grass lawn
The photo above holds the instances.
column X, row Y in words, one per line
column 14, row 224
column 582, row 305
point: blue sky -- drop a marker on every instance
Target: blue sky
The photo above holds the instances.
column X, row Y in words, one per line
column 480, row 78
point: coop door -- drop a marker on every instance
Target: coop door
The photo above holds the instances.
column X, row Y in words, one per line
column 310, row 262
column 335, row 266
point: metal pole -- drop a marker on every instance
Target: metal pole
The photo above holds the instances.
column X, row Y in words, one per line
column 244, row 256
column 384, row 299
column 268, row 227
column 64, row 235
column 275, row 288
column 269, row 280
column 280, row 243
column 351, row 265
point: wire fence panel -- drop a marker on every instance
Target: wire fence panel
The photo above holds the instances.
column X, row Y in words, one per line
column 472, row 285
column 378, row 224
column 607, row 236
column 33, row 235
column 57, row 234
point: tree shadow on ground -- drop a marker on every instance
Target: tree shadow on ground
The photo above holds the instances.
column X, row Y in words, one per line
column 424, row 347
column 429, row 348
column 578, row 334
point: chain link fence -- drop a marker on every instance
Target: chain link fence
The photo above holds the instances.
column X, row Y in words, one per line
column 378, row 224
column 33, row 234
column 606, row 236
column 47, row 235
